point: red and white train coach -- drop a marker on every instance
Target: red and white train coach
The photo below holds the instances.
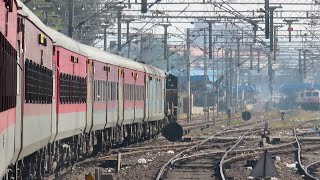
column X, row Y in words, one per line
column 8, row 82
column 34, row 105
column 67, row 100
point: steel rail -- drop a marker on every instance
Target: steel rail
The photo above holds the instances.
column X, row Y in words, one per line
column 302, row 167
column 317, row 162
column 163, row 168
column 229, row 150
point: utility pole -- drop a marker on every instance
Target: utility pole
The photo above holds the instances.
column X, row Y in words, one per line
column 189, row 114
column 238, row 52
column 71, row 14
column 272, row 9
column 119, row 29
column 227, row 85
column 267, row 18
column 46, row 17
column 105, row 38
column 223, row 64
column 275, row 28
column 128, row 21
column 251, row 57
column 231, row 70
column 270, row 76
column 237, row 71
column 80, row 33
column 258, row 66
column 300, row 67
column 119, row 16
column 205, row 102
column 217, row 85
column 304, row 63
column 105, row 26
column 255, row 29
column 141, row 47
column 165, row 47
column 289, row 22
column 211, row 59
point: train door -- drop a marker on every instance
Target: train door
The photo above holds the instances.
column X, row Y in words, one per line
column 89, row 95
column 135, row 93
column 20, row 91
column 146, row 98
column 120, row 96
column 150, row 98
column 106, row 90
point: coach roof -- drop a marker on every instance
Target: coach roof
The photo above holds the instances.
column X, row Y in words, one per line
column 24, row 11
column 64, row 41
column 99, row 55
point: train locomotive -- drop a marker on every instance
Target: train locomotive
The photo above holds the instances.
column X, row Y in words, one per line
column 62, row 101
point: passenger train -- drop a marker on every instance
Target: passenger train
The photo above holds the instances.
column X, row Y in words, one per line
column 61, row 101
column 310, row 99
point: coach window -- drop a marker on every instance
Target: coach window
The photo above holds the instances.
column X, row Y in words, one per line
column 136, row 93
column 136, row 90
column 61, row 87
column 315, row 93
column 107, row 91
column 102, row 91
column 308, row 94
column 130, row 99
column 127, row 91
column 94, row 90
column 76, row 89
column 116, row 91
column 69, row 88
column 131, row 92
column 141, row 89
column 73, row 89
column 97, row 90
column 140, row 93
column 111, row 93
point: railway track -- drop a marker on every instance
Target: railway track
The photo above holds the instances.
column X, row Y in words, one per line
column 113, row 153
column 199, row 164
column 305, row 168
column 179, row 147
column 221, row 169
